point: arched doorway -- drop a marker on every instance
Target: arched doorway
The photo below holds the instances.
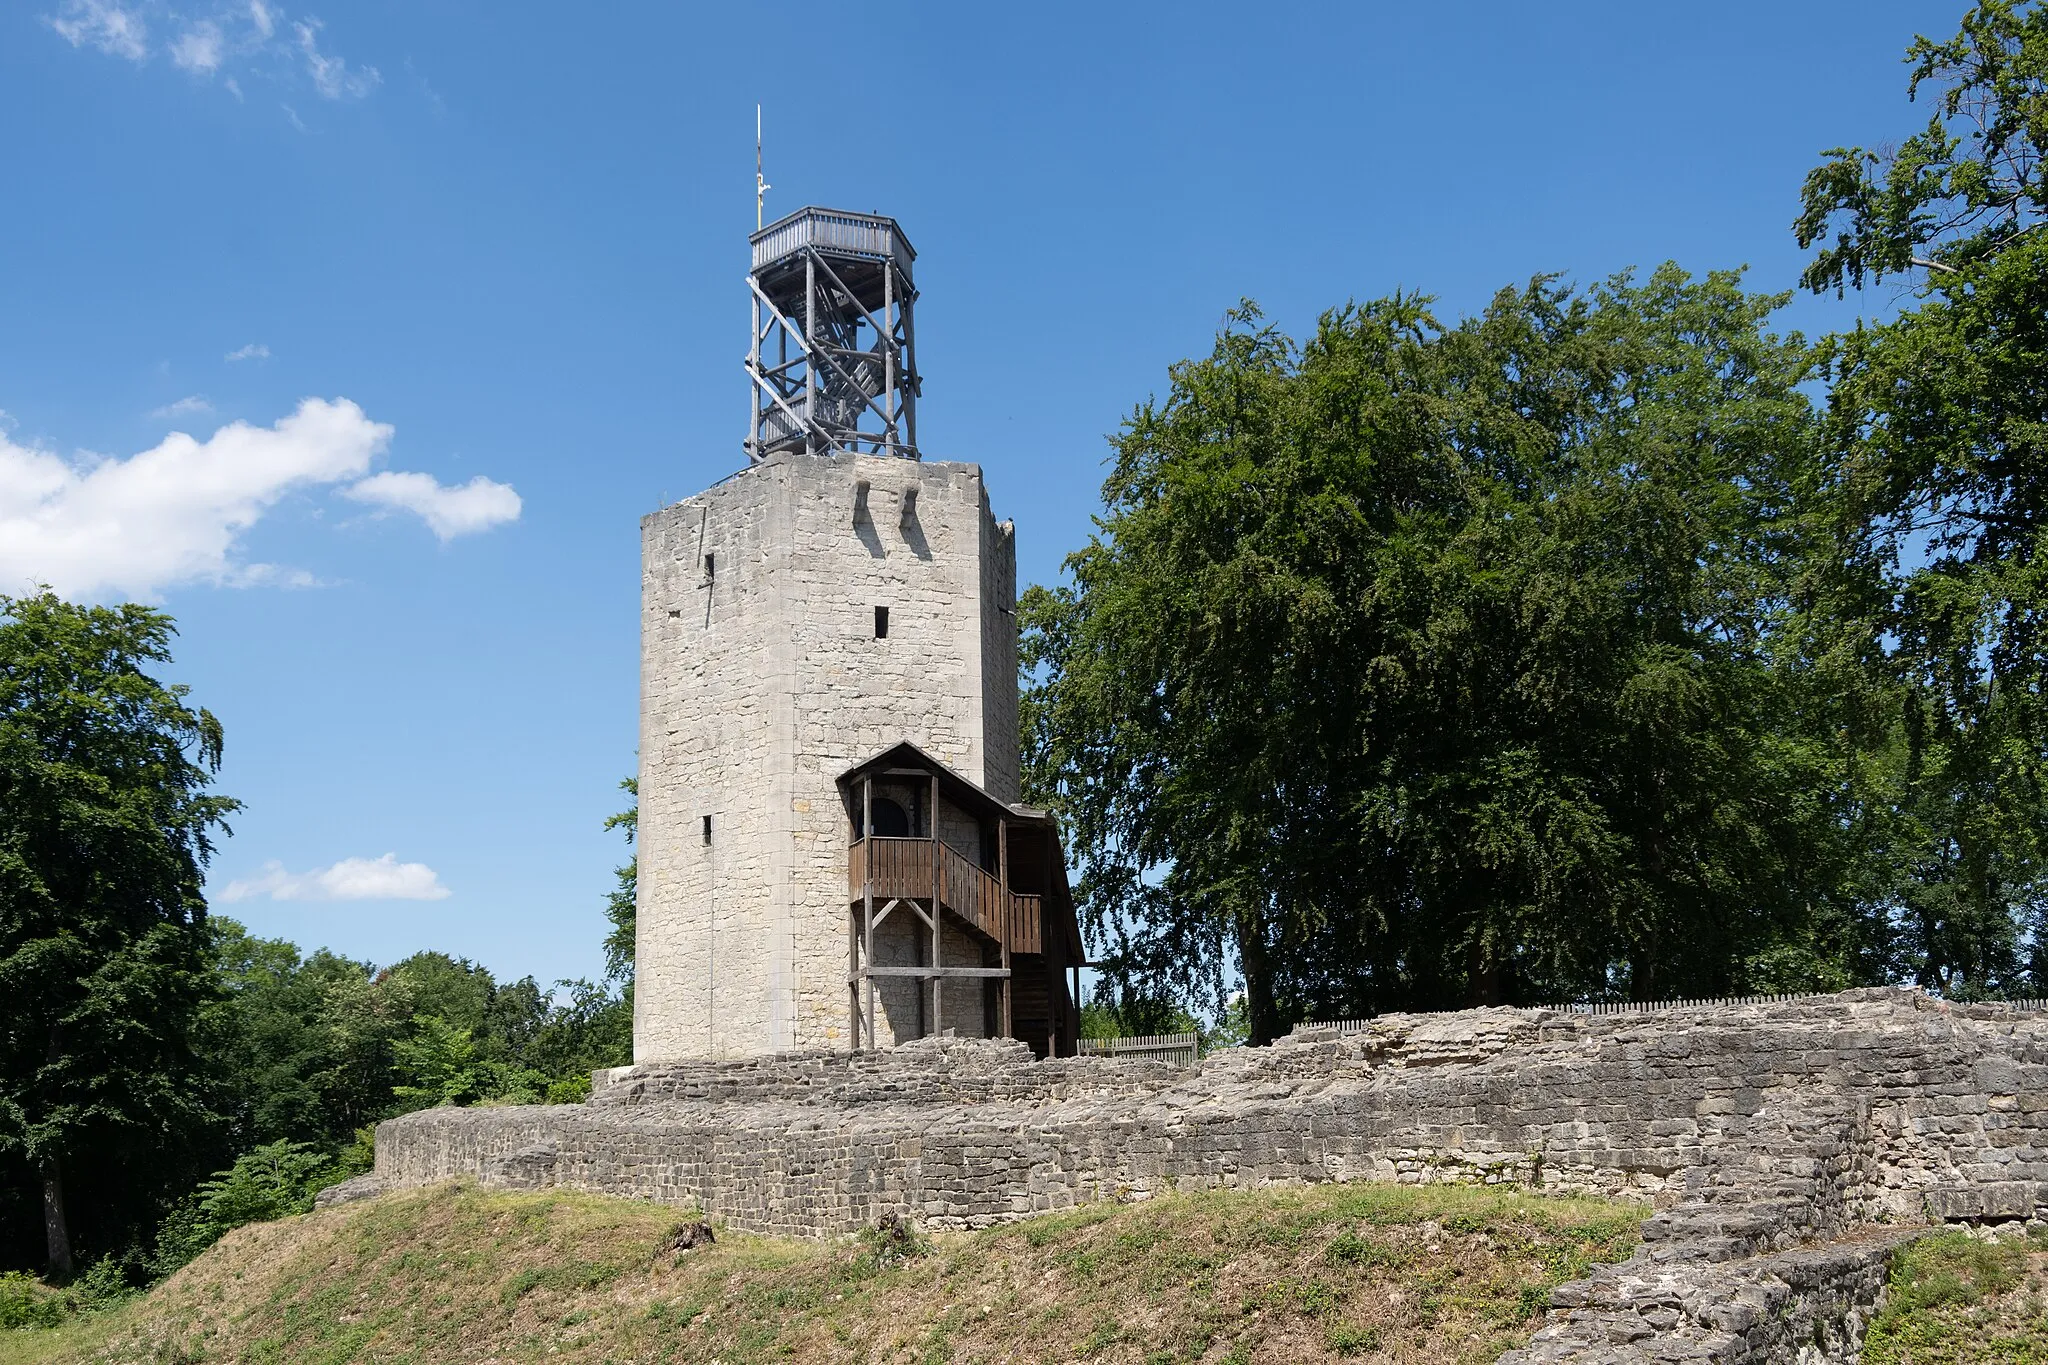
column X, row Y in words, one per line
column 890, row 821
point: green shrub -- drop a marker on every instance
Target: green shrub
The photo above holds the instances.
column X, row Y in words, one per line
column 27, row 1302
column 892, row 1240
column 1348, row 1340
column 275, row 1180
column 103, row 1285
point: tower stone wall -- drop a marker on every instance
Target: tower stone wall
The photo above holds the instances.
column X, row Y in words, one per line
column 762, row 680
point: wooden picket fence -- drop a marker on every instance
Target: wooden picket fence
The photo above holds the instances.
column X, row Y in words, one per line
column 1175, row 1049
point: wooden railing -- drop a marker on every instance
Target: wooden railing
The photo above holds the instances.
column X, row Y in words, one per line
column 903, row 867
column 1175, row 1049
column 903, row 870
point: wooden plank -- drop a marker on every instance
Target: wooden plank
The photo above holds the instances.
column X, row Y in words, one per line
column 980, row 972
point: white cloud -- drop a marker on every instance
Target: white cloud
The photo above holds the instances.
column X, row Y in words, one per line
column 176, row 513
column 451, row 510
column 351, row 879
column 185, row 406
column 108, row 25
column 255, row 350
column 198, row 48
column 331, row 76
column 213, row 36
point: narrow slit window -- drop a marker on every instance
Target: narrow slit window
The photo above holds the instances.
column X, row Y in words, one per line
column 710, row 569
column 707, row 829
column 881, row 623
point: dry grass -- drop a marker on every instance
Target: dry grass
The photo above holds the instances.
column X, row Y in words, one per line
column 1355, row 1272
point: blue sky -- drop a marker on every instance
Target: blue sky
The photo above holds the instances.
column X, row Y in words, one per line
column 471, row 276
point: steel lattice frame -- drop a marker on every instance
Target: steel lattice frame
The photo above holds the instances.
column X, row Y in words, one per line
column 833, row 357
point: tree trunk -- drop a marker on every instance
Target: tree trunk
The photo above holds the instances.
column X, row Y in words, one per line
column 1262, row 1023
column 56, row 1231
column 1482, row 976
column 1642, row 973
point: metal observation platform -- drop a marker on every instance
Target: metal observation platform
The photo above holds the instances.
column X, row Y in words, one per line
column 833, row 357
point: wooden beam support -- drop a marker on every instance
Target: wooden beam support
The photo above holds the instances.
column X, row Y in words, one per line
column 1003, row 920
column 983, row 973
column 905, row 903
column 867, row 957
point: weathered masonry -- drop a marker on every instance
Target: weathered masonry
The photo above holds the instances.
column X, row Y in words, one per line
column 831, row 851
column 1788, row 1147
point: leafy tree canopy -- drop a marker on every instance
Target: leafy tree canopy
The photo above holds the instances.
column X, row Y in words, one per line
column 106, row 823
column 1416, row 665
column 1937, row 442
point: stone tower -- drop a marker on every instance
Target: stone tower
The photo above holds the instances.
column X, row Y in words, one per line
column 798, row 618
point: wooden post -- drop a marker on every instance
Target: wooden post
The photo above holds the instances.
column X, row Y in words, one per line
column 1004, row 923
column 867, row 952
column 1074, row 1001
column 853, row 974
column 938, row 982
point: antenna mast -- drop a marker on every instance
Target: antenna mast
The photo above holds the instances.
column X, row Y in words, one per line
column 761, row 186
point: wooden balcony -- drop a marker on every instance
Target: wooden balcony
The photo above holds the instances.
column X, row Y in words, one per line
column 902, row 870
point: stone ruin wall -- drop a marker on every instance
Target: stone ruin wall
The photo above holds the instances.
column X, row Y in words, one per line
column 1786, row 1147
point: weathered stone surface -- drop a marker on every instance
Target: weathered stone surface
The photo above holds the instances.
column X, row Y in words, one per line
column 762, row 680
column 367, row 1186
column 1769, row 1137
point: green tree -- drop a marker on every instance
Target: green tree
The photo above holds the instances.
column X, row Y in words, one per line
column 297, row 1046
column 588, row 1029
column 1937, row 424
column 440, row 1063
column 622, row 903
column 106, row 825
column 1415, row 666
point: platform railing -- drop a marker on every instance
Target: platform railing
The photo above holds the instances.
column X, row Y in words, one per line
column 902, row 870
column 833, row 230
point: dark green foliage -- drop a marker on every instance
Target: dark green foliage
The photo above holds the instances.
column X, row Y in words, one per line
column 27, row 1302
column 1420, row 665
column 586, row 1028
column 316, row 1049
column 302, row 1047
column 622, row 904
column 274, row 1180
column 1937, row 444
column 147, row 1044
column 1110, row 1016
column 106, row 824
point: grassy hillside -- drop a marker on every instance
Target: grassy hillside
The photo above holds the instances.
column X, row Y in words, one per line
column 1362, row 1272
